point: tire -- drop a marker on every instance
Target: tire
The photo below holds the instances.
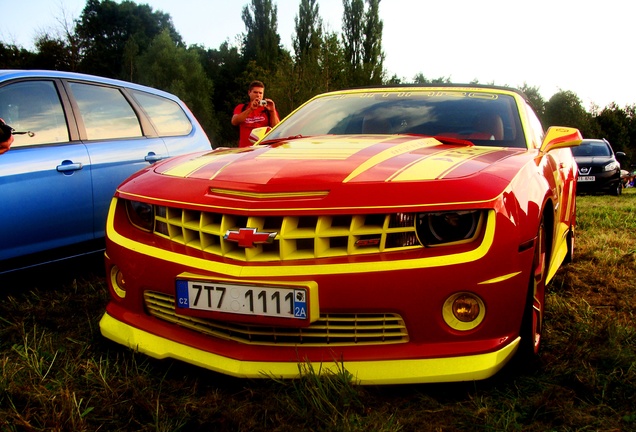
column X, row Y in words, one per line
column 569, row 257
column 532, row 323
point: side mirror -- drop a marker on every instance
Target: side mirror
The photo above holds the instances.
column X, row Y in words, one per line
column 258, row 134
column 560, row 137
column 620, row 154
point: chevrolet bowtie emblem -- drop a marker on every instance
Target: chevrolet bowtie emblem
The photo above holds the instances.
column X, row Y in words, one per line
column 249, row 237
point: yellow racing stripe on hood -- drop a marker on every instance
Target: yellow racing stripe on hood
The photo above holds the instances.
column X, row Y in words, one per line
column 337, row 148
column 389, row 153
column 186, row 168
column 440, row 164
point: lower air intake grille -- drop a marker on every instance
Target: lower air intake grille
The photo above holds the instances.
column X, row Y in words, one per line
column 328, row 330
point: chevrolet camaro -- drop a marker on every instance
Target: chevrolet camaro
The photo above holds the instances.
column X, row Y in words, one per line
column 405, row 234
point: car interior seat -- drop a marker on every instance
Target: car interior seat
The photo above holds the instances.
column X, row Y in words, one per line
column 488, row 127
column 375, row 125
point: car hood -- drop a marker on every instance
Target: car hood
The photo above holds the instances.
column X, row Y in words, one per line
column 351, row 170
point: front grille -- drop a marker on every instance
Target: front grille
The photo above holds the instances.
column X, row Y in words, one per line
column 328, row 330
column 296, row 237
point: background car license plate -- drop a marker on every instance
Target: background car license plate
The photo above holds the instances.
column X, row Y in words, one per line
column 281, row 302
column 586, row 178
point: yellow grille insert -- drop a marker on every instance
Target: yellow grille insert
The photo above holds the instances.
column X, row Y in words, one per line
column 297, row 237
column 328, row 330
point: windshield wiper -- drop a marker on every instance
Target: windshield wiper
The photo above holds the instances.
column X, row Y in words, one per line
column 446, row 139
column 277, row 140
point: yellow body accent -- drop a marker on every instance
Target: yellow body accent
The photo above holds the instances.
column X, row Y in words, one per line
column 301, row 270
column 332, row 149
column 391, row 152
column 466, row 368
column 273, row 195
column 186, row 168
column 438, row 165
column 500, row 278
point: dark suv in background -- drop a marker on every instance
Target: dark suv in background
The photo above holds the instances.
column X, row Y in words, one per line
column 599, row 171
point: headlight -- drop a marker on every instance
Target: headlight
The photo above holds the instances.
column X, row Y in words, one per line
column 141, row 214
column 612, row 166
column 439, row 228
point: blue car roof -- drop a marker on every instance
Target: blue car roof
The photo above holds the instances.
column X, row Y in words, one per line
column 9, row 74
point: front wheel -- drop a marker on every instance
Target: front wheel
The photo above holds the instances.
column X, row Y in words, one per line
column 618, row 189
column 532, row 324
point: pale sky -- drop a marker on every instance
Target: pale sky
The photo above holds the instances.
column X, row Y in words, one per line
column 584, row 47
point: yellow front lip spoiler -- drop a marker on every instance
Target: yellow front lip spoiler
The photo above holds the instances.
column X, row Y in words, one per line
column 465, row 368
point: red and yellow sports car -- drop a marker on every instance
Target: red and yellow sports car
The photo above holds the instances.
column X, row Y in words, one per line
column 406, row 234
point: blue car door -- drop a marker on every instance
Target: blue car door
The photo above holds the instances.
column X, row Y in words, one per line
column 118, row 140
column 45, row 179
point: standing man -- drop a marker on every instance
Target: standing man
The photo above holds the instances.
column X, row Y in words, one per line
column 258, row 112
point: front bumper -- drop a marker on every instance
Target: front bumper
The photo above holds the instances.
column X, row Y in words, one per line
column 404, row 371
column 606, row 182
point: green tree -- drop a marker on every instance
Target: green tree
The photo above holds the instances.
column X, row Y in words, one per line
column 14, row 57
column 565, row 109
column 262, row 42
column 352, row 38
column 421, row 79
column 177, row 70
column 333, row 63
column 105, row 27
column 224, row 66
column 373, row 57
column 362, row 40
column 614, row 125
column 306, row 74
column 535, row 99
column 54, row 54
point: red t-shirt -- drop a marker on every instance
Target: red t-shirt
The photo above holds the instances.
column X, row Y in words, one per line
column 257, row 118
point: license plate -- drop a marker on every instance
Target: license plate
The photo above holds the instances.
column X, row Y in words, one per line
column 586, row 179
column 280, row 302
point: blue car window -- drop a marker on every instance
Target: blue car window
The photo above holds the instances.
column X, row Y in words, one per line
column 166, row 115
column 106, row 112
column 34, row 107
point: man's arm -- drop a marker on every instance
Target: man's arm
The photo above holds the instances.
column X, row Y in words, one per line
column 237, row 119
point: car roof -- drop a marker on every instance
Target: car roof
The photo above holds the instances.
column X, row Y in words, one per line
column 10, row 74
column 445, row 85
column 591, row 140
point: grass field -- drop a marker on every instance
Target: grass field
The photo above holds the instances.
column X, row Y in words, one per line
column 57, row 373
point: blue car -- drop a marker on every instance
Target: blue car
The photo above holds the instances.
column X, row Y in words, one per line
column 76, row 138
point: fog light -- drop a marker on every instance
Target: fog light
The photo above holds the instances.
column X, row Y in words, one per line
column 466, row 308
column 463, row 311
column 117, row 282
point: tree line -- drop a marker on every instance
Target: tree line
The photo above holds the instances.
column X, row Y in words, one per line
column 135, row 43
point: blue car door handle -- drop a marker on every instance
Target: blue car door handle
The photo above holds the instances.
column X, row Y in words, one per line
column 152, row 157
column 67, row 166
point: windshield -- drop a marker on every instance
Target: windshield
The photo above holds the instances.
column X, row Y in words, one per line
column 595, row 148
column 484, row 118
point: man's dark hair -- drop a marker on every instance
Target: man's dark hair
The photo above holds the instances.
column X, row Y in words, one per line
column 256, row 84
